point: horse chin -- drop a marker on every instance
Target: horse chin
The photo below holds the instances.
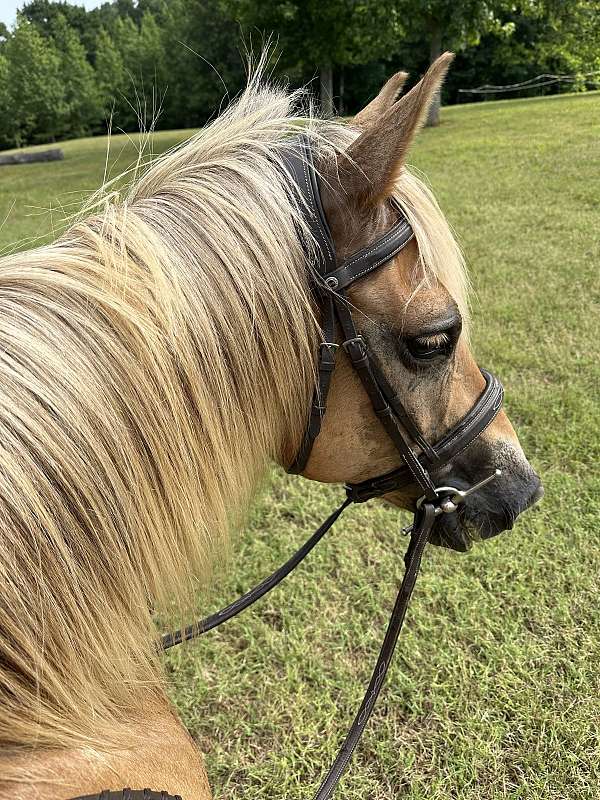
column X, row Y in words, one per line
column 449, row 531
column 459, row 531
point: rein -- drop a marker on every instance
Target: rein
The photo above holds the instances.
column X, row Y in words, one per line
column 331, row 279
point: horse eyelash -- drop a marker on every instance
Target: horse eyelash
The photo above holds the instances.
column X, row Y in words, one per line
column 434, row 340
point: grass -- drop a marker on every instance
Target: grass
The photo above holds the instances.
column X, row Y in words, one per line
column 495, row 690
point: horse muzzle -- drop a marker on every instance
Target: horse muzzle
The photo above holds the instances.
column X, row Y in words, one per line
column 487, row 512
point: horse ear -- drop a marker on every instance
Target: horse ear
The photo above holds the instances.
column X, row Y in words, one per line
column 371, row 165
column 382, row 102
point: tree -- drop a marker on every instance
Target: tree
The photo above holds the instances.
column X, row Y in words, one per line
column 110, row 71
column 36, row 96
column 83, row 105
column 324, row 36
column 127, row 107
column 152, row 60
column 534, row 37
column 570, row 37
column 202, row 43
column 449, row 25
column 6, row 131
column 44, row 13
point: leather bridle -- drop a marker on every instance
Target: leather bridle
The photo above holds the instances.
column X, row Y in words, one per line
column 330, row 280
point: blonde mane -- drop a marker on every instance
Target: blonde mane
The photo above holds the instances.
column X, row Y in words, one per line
column 152, row 361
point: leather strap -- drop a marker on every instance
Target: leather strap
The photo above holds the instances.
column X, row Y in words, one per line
column 130, row 794
column 358, row 353
column 373, row 256
column 304, row 182
column 424, row 520
column 330, row 281
column 169, row 640
column 446, row 449
column 325, row 367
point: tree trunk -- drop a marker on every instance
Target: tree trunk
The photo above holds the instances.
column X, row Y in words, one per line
column 435, row 50
column 342, row 87
column 326, row 88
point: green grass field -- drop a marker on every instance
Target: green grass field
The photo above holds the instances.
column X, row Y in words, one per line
column 495, row 692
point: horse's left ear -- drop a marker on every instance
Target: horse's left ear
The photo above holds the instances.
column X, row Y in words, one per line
column 373, row 161
column 382, row 102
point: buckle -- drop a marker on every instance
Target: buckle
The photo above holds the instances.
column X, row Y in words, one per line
column 450, row 497
column 366, row 490
column 357, row 342
column 327, row 356
column 357, row 352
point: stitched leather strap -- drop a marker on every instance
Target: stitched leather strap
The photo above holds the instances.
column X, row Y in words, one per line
column 374, row 255
column 456, row 440
column 330, row 281
column 130, row 794
column 357, row 350
column 305, row 183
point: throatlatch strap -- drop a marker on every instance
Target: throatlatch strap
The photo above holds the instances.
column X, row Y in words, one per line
column 325, row 369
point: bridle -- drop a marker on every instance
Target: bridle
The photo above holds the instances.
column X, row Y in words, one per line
column 330, row 280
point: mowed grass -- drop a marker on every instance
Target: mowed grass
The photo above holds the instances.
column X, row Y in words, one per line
column 495, row 690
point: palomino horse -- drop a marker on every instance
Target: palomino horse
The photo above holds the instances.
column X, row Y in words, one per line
column 152, row 361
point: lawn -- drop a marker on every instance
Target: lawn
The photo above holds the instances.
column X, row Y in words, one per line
column 495, row 692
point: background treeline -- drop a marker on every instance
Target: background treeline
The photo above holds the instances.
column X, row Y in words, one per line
column 65, row 71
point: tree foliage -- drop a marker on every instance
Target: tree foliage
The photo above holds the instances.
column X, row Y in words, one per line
column 315, row 35
column 81, row 95
column 35, row 102
column 64, row 71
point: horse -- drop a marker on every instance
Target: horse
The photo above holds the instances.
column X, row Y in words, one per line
column 154, row 360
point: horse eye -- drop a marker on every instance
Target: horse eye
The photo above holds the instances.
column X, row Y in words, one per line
column 427, row 348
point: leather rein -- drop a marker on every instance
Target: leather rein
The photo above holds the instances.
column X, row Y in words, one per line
column 330, row 280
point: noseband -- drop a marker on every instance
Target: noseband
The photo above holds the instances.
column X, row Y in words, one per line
column 330, row 280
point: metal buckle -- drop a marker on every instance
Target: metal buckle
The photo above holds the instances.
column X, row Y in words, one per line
column 357, row 341
column 450, row 497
